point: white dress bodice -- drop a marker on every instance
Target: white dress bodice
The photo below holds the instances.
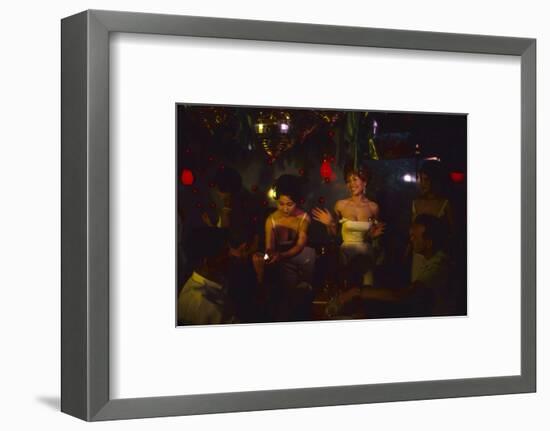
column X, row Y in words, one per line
column 354, row 243
column 354, row 232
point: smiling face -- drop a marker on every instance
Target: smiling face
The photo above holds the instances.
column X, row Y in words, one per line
column 356, row 185
column 286, row 205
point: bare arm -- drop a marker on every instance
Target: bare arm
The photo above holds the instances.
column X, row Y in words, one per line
column 300, row 243
column 269, row 234
column 378, row 228
column 333, row 228
column 374, row 209
column 325, row 217
column 382, row 294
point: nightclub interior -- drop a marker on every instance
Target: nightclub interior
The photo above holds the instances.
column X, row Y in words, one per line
column 292, row 214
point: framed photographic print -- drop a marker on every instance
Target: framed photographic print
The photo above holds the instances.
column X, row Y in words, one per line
column 262, row 215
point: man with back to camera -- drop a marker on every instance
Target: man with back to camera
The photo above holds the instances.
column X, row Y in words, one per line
column 428, row 294
column 223, row 286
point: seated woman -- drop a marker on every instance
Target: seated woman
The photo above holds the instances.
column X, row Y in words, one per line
column 358, row 218
column 431, row 201
column 287, row 251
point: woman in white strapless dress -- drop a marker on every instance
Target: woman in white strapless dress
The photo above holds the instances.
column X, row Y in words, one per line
column 357, row 216
column 355, row 246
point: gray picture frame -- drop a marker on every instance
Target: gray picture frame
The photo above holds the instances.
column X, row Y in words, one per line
column 85, row 215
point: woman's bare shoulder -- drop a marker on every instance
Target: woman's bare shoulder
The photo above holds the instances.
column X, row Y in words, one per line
column 373, row 206
column 342, row 203
column 270, row 217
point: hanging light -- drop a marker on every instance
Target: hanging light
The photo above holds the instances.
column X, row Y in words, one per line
column 274, row 132
column 260, row 128
column 457, row 177
column 187, row 178
column 271, row 193
column 326, row 170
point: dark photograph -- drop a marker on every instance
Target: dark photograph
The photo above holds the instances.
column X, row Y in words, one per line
column 309, row 214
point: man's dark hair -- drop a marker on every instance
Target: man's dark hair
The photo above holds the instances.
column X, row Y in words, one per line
column 228, row 180
column 205, row 242
column 434, row 230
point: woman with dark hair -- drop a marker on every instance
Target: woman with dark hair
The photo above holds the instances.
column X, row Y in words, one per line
column 358, row 217
column 431, row 201
column 286, row 249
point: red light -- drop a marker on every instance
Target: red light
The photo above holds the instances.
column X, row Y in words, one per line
column 457, row 177
column 187, row 177
column 326, row 170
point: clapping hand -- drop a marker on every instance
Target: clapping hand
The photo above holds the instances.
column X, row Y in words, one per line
column 259, row 262
column 377, row 229
column 322, row 216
